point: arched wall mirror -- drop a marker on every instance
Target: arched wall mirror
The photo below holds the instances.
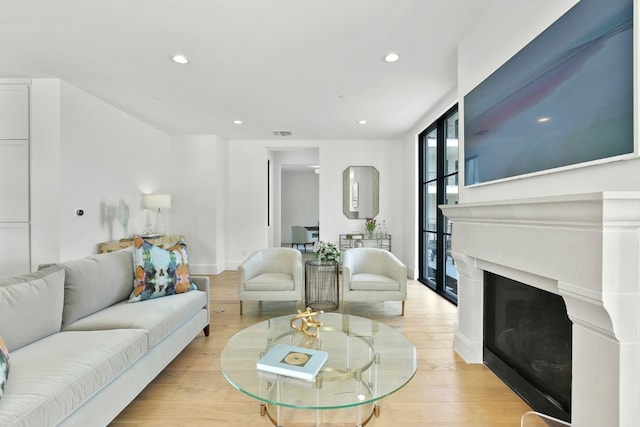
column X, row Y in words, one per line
column 360, row 188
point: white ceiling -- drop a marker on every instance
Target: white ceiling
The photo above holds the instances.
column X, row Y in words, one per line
column 312, row 67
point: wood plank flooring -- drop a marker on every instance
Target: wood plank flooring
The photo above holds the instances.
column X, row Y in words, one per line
column 446, row 391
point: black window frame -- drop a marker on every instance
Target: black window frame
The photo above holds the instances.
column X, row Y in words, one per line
column 438, row 283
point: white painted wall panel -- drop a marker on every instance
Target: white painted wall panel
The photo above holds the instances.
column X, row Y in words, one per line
column 14, row 256
column 14, row 111
column 14, row 180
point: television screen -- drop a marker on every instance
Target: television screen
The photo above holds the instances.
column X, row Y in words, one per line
column 566, row 98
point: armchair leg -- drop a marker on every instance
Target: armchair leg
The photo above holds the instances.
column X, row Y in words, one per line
column 240, row 308
column 403, row 307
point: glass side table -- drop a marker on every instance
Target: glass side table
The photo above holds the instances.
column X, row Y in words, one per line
column 321, row 285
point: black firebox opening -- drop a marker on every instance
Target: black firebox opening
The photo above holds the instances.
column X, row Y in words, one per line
column 527, row 343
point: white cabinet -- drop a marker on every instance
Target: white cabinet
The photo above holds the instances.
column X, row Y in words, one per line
column 14, row 251
column 14, row 179
column 14, row 111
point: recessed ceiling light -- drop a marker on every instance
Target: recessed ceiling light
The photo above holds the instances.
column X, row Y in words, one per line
column 544, row 119
column 237, row 122
column 391, row 57
column 362, row 122
column 179, row 58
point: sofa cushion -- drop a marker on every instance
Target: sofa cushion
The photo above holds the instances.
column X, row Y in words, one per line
column 53, row 376
column 4, row 366
column 95, row 282
column 158, row 271
column 270, row 282
column 31, row 306
column 373, row 282
column 158, row 316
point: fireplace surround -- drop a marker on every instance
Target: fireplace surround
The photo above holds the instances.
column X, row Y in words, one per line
column 583, row 247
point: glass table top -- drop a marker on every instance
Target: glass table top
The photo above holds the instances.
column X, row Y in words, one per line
column 367, row 361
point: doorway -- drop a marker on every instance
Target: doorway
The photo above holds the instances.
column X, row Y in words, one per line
column 300, row 202
column 295, row 194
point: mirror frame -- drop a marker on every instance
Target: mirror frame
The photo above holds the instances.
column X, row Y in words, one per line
column 346, row 186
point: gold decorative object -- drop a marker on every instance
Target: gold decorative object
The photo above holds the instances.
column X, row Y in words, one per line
column 308, row 324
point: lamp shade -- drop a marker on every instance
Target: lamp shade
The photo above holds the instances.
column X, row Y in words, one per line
column 157, row 201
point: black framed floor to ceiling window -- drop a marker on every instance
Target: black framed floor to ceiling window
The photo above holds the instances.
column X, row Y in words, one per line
column 438, row 185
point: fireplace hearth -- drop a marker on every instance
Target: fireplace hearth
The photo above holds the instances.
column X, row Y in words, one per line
column 527, row 343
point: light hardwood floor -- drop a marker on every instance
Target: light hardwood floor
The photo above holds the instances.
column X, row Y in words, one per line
column 446, row 391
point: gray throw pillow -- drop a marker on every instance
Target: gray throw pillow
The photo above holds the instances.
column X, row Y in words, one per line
column 31, row 306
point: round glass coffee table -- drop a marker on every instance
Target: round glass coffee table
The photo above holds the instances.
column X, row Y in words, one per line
column 367, row 362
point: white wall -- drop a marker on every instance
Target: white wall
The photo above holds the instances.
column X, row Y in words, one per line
column 386, row 157
column 247, row 204
column 87, row 154
column 218, row 188
column 197, row 187
column 45, row 189
column 106, row 155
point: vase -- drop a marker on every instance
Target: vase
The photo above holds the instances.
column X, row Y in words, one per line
column 321, row 261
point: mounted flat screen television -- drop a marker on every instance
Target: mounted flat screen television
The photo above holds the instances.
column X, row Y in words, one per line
column 564, row 99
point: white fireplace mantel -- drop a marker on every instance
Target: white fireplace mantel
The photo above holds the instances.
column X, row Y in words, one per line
column 584, row 247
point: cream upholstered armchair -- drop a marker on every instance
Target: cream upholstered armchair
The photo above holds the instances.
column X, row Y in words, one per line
column 373, row 274
column 273, row 274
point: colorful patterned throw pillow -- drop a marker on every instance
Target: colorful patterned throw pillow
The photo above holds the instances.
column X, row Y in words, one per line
column 4, row 365
column 159, row 272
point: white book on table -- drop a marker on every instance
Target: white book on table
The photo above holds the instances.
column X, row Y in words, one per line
column 292, row 361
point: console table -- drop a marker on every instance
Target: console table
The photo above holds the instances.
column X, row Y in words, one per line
column 163, row 241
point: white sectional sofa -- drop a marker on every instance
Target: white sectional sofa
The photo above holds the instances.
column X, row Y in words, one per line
column 79, row 351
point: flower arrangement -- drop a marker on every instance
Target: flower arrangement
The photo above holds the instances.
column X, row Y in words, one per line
column 370, row 225
column 326, row 251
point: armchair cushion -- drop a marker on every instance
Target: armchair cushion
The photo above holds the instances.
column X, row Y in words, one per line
column 270, row 282
column 374, row 282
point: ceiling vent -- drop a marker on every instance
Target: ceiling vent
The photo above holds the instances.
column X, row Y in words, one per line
column 281, row 133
